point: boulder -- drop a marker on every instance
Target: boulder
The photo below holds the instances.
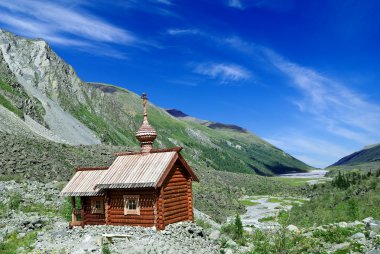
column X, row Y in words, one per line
column 358, row 236
column 343, row 224
column 214, row 235
column 368, row 219
column 293, row 229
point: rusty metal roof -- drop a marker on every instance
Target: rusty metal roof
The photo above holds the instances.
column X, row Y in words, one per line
column 129, row 170
column 83, row 182
column 137, row 170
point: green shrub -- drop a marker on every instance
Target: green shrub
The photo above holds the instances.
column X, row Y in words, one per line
column 15, row 200
column 202, row 223
column 11, row 243
column 106, row 249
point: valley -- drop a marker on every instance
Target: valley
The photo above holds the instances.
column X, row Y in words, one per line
column 252, row 196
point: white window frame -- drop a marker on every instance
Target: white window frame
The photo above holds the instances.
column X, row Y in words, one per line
column 94, row 209
column 127, row 198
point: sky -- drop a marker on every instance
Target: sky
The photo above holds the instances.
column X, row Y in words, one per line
column 304, row 75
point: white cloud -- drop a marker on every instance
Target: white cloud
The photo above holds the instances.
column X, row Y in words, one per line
column 274, row 5
column 59, row 24
column 341, row 110
column 182, row 31
column 225, row 72
column 167, row 2
column 235, row 4
column 314, row 151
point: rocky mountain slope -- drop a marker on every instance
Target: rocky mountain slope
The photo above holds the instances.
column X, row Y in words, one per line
column 49, row 100
column 367, row 159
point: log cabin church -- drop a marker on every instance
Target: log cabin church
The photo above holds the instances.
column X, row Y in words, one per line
column 148, row 188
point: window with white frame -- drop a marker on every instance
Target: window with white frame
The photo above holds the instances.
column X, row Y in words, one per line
column 131, row 204
column 97, row 205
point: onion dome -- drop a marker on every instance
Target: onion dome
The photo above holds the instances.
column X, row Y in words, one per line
column 146, row 134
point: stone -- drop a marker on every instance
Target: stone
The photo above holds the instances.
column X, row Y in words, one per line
column 372, row 235
column 293, row 228
column 358, row 236
column 343, row 224
column 340, row 246
column 231, row 243
column 376, row 251
column 368, row 219
column 214, row 235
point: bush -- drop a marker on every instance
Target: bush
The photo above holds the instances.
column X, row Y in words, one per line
column 106, row 249
column 15, row 200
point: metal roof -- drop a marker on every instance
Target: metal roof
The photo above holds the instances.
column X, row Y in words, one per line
column 137, row 170
column 83, row 182
column 129, row 170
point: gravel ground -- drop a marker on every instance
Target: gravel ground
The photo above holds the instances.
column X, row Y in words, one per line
column 182, row 237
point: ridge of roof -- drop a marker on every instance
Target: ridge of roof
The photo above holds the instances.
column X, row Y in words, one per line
column 90, row 168
column 162, row 150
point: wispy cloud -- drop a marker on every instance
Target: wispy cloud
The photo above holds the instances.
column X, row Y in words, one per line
column 275, row 5
column 225, row 72
column 235, row 4
column 59, row 24
column 342, row 111
column 177, row 31
column 314, row 151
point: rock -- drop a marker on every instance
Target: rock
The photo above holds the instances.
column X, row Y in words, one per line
column 214, row 235
column 231, row 243
column 358, row 236
column 344, row 245
column 372, row 235
column 343, row 224
column 374, row 225
column 293, row 228
column 368, row 219
column 228, row 251
column 376, row 251
column 21, row 235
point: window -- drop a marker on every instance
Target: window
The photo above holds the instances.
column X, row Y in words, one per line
column 131, row 204
column 97, row 205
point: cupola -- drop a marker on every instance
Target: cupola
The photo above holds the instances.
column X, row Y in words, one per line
column 146, row 134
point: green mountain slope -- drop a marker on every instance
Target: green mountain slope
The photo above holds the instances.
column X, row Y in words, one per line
column 367, row 159
column 114, row 114
column 87, row 113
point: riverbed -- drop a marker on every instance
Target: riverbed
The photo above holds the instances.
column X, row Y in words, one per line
column 265, row 209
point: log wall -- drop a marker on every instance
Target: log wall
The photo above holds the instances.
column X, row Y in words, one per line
column 90, row 218
column 176, row 197
column 115, row 213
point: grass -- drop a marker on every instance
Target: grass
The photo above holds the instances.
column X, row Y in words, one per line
column 12, row 243
column 296, row 182
column 202, row 223
column 15, row 200
column 268, row 219
column 275, row 200
column 335, row 234
column 247, row 202
column 6, row 87
column 333, row 204
column 8, row 105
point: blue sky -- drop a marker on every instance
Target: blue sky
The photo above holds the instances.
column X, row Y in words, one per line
column 304, row 75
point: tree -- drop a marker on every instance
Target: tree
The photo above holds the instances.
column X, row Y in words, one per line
column 238, row 227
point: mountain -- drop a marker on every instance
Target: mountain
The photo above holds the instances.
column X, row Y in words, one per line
column 213, row 125
column 47, row 99
column 367, row 159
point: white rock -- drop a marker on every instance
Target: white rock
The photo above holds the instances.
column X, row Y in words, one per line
column 215, row 235
column 368, row 219
column 343, row 224
column 293, row 228
column 358, row 236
